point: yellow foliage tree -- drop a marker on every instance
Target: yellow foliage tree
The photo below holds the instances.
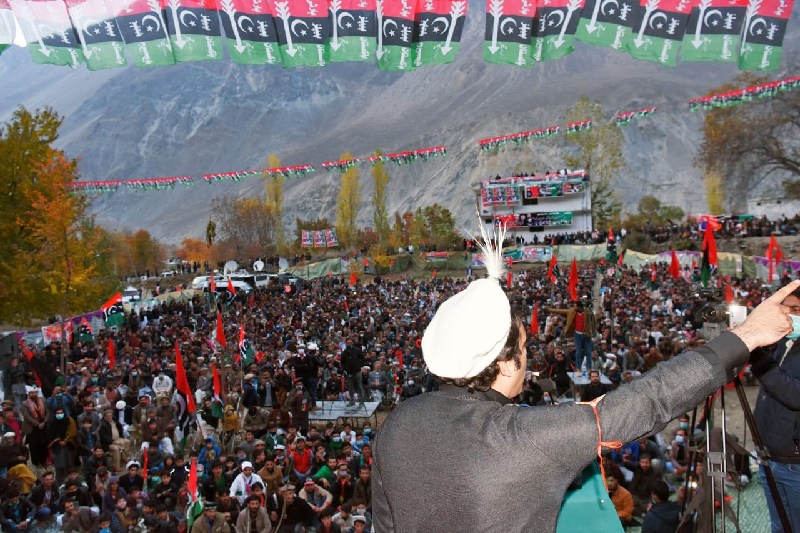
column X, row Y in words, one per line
column 274, row 199
column 380, row 216
column 714, row 193
column 348, row 203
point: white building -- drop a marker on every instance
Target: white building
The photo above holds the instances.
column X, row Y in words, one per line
column 774, row 208
column 553, row 204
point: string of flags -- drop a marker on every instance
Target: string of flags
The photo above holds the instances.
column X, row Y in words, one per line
column 137, row 185
column 626, row 117
column 748, row 94
column 517, row 138
column 343, row 165
column 576, row 127
column 397, row 35
column 409, row 157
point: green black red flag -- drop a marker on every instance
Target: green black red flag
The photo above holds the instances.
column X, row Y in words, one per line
column 437, row 31
column 658, row 30
column 764, row 29
column 555, row 27
column 712, row 33
column 509, row 32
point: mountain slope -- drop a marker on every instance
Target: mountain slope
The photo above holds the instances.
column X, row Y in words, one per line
column 199, row 118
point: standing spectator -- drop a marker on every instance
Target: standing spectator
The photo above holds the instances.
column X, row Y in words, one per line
column 34, row 424
column 61, row 438
column 352, row 361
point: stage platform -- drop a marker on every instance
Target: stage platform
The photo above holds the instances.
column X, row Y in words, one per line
column 331, row 411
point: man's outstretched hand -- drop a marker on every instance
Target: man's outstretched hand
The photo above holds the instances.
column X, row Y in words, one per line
column 769, row 322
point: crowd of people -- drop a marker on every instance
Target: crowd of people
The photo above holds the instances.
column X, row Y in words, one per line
column 110, row 449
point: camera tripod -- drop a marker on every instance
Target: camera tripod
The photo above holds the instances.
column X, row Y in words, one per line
column 717, row 469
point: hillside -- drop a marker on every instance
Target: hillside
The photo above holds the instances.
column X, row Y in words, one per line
column 199, row 118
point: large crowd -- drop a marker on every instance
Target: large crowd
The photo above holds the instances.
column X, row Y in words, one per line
column 111, row 449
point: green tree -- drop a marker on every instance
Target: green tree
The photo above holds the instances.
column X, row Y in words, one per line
column 440, row 225
column 348, row 203
column 380, row 216
column 248, row 225
column 211, row 233
column 652, row 210
column 598, row 151
column 419, row 229
column 274, row 199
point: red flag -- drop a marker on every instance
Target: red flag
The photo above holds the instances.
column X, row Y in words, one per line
column 508, row 280
column 352, row 279
column 728, row 293
column 400, row 359
column 694, row 265
column 621, row 256
column 551, row 272
column 366, row 263
column 708, row 240
column 112, row 354
column 230, row 287
column 217, row 386
column 774, row 256
column 610, row 234
column 346, row 307
column 573, row 280
column 252, row 301
column 434, row 274
column 391, row 263
column 535, row 319
column 193, row 481
column 182, row 384
column 241, row 344
column 674, row 266
column 221, row 332
column 653, row 272
column 212, row 286
column 144, row 469
column 29, row 356
column 330, row 273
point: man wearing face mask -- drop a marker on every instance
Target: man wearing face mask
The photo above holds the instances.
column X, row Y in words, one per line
column 475, row 344
column 777, row 415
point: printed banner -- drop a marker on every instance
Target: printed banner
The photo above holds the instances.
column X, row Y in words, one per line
column 306, row 239
column 330, row 238
column 319, row 239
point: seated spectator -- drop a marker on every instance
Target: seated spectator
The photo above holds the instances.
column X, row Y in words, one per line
column 641, row 486
column 254, row 517
column 623, row 501
column 663, row 515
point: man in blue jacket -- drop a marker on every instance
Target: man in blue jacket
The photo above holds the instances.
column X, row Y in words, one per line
column 777, row 415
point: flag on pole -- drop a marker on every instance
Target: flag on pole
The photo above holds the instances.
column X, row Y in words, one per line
column 216, row 403
column 653, row 273
column 212, row 286
column 246, row 352
column 352, row 279
column 144, row 470
column 774, row 256
column 674, row 266
column 621, row 257
column 113, row 312
column 182, row 384
column 85, row 331
column 433, row 277
column 552, row 271
column 231, row 288
column 220, row 332
column 194, row 506
column 509, row 277
column 573, row 280
column 535, row 319
column 728, row 293
column 710, row 242
column 112, row 354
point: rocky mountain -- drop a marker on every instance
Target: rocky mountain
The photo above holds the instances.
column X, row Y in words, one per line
column 197, row 118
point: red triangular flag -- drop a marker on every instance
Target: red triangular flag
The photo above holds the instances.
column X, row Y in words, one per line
column 774, row 256
column 653, row 272
column 694, row 265
column 728, row 293
column 535, row 319
column 508, row 280
column 434, row 274
column 621, row 256
column 230, row 287
column 551, row 271
column 610, row 234
column 29, row 356
column 674, row 266
column 366, row 263
column 182, row 384
column 708, row 240
column 212, row 286
column 330, row 273
column 352, row 279
column 112, row 354
column 217, row 386
column 573, row 280
column 220, row 332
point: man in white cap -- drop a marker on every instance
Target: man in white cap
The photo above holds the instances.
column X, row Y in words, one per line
column 242, row 485
column 475, row 345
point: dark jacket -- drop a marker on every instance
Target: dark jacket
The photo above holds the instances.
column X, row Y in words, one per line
column 106, row 438
column 504, row 446
column 352, row 360
column 663, row 517
column 777, row 411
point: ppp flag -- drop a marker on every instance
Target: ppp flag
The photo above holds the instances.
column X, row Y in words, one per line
column 353, row 31
column 304, row 31
column 85, row 331
column 764, row 29
column 509, row 30
column 194, row 29
column 658, row 31
column 113, row 312
column 606, row 23
column 556, row 24
column 142, row 25
column 437, row 31
column 98, row 33
column 8, row 28
column 712, row 33
column 250, row 31
column 395, row 34
column 48, row 31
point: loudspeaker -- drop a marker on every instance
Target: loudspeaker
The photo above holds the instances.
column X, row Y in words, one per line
column 9, row 349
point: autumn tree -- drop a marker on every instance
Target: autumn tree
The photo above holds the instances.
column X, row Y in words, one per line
column 148, row 254
column 746, row 144
column 715, row 193
column 440, row 225
column 54, row 259
column 193, row 250
column 274, row 199
column 599, row 151
column 248, row 225
column 348, row 203
column 401, row 229
column 380, row 216
column 419, row 229
column 60, row 265
column 650, row 209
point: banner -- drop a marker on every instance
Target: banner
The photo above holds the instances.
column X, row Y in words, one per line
column 330, row 238
column 319, row 239
column 98, row 33
column 307, row 239
column 194, row 29
column 48, row 31
column 51, row 334
column 250, row 31
column 535, row 220
column 435, row 257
